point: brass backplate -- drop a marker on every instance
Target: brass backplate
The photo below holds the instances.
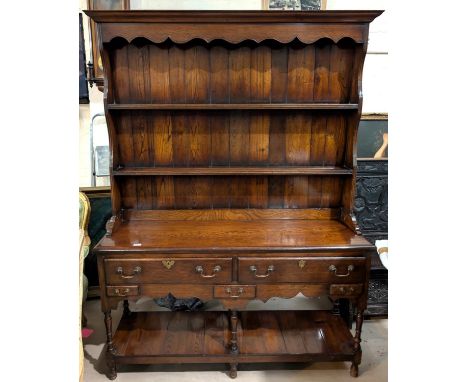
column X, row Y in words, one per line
column 168, row 263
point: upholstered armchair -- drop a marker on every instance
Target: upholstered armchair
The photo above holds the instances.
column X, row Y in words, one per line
column 85, row 210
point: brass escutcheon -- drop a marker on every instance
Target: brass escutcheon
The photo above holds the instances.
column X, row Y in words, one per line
column 301, row 263
column 168, row 263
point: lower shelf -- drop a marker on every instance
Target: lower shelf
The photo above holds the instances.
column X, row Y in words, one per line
column 263, row 336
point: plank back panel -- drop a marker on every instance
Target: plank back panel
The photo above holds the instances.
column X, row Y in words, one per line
column 198, row 72
column 221, row 72
column 198, row 192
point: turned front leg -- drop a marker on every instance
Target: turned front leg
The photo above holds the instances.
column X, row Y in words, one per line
column 233, row 344
column 110, row 350
column 357, row 344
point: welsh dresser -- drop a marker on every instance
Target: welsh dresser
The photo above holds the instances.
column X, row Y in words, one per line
column 233, row 171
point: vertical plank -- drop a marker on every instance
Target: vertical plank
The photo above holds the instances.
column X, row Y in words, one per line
column 276, row 191
column 177, row 74
column 122, row 94
column 301, row 61
column 138, row 70
column 120, row 74
column 259, row 138
column 322, row 67
column 181, row 150
column 182, row 192
column 201, row 190
column 296, row 191
column 144, row 187
column 220, row 193
column 128, row 192
column 334, row 140
column 318, row 138
column 341, row 67
column 197, row 67
column 141, row 152
column 260, row 74
column 239, row 137
column 162, row 138
column 314, row 192
column 279, row 74
column 123, row 125
column 258, row 191
column 331, row 191
column 163, row 189
column 219, row 93
column 297, row 142
column 238, row 192
column 277, row 142
column 220, row 139
column 159, row 72
column 198, row 131
column 239, row 75
column 219, row 74
column 180, row 142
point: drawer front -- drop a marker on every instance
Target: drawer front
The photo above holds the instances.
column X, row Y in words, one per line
column 168, row 270
column 345, row 289
column 234, row 291
column 122, row 290
column 302, row 269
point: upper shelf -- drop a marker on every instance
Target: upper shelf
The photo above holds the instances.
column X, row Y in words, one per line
column 233, row 106
column 239, row 170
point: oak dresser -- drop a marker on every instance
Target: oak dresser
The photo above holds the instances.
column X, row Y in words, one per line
column 233, row 171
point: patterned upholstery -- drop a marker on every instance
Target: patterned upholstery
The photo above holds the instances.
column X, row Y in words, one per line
column 84, row 241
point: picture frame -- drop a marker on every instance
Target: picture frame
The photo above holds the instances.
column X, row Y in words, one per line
column 294, row 5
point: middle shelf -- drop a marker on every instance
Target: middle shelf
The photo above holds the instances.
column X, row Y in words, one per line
column 239, row 170
column 233, row 106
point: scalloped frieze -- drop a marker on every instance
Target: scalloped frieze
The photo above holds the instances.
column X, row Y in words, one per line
column 233, row 33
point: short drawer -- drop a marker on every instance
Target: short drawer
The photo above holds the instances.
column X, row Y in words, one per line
column 122, row 290
column 302, row 269
column 168, row 270
column 345, row 289
column 234, row 291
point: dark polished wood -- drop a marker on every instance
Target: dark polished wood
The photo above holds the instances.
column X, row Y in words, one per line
column 233, row 106
column 233, row 170
column 265, row 336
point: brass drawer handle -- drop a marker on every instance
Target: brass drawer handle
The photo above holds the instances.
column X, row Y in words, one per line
column 122, row 293
column 270, row 269
column 199, row 269
column 136, row 271
column 332, row 268
column 239, row 292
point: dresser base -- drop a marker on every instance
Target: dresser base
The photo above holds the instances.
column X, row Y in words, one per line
column 204, row 337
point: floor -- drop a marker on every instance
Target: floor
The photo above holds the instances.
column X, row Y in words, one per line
column 373, row 367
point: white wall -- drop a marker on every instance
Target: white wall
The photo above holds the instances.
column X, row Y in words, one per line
column 196, row 4
column 375, row 84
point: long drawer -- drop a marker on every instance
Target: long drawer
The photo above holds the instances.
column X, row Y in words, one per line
column 301, row 269
column 168, row 270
